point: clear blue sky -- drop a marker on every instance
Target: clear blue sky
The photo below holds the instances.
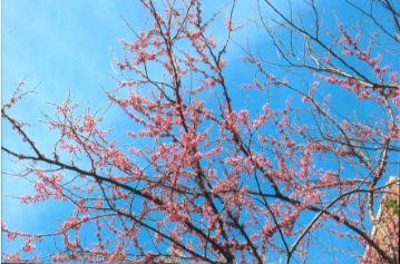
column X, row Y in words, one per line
column 67, row 46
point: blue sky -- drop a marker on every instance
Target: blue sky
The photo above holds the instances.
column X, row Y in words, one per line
column 67, row 47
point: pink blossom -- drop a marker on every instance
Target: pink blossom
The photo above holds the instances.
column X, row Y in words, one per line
column 346, row 125
column 222, row 63
column 28, row 247
column 73, row 222
column 209, row 82
column 60, row 258
column 228, row 25
column 89, row 123
column 11, row 236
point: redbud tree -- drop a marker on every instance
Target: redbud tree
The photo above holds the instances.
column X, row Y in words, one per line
column 237, row 153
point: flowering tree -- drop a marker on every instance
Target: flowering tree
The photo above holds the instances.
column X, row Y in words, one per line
column 214, row 178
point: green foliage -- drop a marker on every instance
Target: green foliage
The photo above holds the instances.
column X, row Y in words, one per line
column 394, row 206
